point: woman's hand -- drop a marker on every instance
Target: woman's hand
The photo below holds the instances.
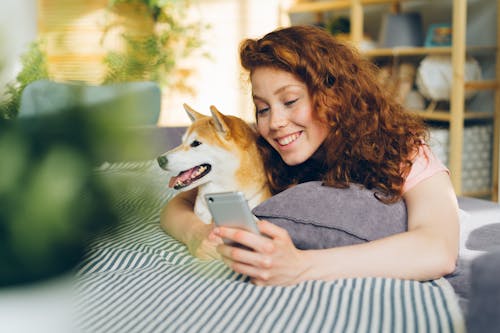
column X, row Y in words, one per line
column 178, row 219
column 203, row 243
column 272, row 260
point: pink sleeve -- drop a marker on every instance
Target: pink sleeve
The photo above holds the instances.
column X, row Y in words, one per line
column 425, row 165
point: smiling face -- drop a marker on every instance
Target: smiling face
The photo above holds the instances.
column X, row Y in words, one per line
column 284, row 115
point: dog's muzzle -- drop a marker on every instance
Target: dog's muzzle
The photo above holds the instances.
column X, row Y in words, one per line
column 162, row 161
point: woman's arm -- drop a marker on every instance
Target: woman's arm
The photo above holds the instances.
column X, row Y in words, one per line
column 428, row 250
column 178, row 219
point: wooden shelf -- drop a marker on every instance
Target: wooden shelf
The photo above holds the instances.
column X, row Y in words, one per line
column 420, row 51
column 324, row 6
column 481, row 85
column 446, row 115
column 318, row 6
column 406, row 51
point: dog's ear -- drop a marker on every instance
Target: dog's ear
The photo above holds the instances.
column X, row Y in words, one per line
column 192, row 114
column 220, row 123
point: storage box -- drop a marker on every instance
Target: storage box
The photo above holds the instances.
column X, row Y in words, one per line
column 476, row 155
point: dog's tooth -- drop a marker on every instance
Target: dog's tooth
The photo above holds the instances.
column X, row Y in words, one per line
column 198, row 171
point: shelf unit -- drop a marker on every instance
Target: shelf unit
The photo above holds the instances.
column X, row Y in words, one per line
column 457, row 114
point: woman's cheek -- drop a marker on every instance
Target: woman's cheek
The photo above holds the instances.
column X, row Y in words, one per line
column 261, row 127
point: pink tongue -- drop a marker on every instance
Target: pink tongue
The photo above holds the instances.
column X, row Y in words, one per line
column 182, row 177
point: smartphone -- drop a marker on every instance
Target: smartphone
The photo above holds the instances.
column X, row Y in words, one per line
column 230, row 209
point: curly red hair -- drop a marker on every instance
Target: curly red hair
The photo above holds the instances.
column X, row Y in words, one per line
column 372, row 140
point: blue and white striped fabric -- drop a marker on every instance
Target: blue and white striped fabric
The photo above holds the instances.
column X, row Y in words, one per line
column 139, row 279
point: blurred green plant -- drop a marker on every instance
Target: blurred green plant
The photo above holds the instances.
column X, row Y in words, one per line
column 339, row 25
column 34, row 67
column 52, row 201
column 155, row 56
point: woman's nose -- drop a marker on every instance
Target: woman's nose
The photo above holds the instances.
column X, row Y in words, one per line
column 278, row 119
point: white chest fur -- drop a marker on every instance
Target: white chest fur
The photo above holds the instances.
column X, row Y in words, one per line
column 200, row 206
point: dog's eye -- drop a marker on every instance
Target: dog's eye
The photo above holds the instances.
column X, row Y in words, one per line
column 195, row 143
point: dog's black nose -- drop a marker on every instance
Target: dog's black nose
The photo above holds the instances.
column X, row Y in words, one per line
column 162, row 161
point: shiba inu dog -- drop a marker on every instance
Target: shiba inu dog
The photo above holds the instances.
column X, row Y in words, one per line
column 218, row 153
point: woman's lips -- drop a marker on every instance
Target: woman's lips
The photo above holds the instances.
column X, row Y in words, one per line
column 288, row 139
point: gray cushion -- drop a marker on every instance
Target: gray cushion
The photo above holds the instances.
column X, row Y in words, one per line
column 318, row 216
column 140, row 100
column 484, row 312
column 484, row 238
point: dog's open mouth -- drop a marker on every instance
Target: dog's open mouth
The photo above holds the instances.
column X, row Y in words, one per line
column 187, row 177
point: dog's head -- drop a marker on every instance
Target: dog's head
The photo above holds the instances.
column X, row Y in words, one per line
column 210, row 150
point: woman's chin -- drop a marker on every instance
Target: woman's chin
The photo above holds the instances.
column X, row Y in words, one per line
column 293, row 159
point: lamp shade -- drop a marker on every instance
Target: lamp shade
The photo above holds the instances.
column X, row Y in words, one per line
column 401, row 29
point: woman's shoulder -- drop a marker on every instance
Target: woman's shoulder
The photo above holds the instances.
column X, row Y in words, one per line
column 425, row 164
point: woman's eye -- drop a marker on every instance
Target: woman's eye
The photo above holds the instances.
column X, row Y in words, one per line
column 262, row 111
column 288, row 103
column 195, row 143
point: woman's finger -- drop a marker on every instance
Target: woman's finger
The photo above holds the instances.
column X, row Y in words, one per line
column 272, row 230
column 240, row 255
column 255, row 242
column 248, row 270
column 214, row 238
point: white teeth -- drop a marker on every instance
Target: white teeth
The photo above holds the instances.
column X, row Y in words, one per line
column 288, row 139
column 198, row 172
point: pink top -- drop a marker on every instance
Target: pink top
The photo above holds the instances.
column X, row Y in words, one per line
column 425, row 165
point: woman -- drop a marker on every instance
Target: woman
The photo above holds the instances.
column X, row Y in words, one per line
column 321, row 115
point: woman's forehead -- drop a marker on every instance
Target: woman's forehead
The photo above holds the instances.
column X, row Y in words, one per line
column 273, row 81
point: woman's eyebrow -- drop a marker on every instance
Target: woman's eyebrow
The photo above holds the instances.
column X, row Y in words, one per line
column 279, row 90
column 257, row 97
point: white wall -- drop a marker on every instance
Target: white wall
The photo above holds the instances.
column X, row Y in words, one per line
column 17, row 30
column 218, row 80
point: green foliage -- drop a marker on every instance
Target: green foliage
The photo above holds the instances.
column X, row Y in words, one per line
column 154, row 6
column 339, row 25
column 52, row 201
column 34, row 67
column 154, row 57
